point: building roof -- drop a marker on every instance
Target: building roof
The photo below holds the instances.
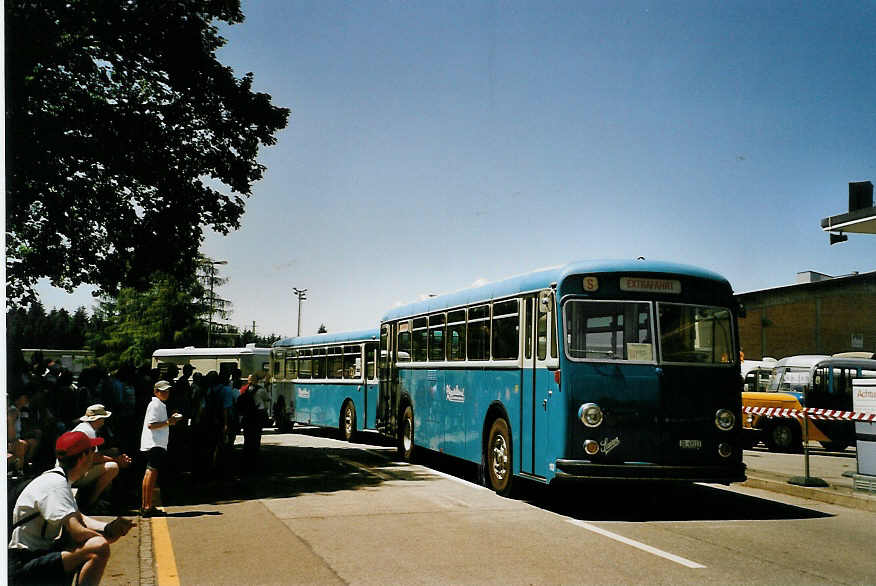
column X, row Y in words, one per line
column 823, row 283
column 861, row 221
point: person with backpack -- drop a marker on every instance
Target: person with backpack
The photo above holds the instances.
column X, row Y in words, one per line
column 51, row 539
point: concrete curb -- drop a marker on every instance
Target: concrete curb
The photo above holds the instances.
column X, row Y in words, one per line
column 853, row 500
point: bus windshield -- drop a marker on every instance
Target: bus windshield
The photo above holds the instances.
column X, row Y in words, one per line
column 789, row 379
column 695, row 334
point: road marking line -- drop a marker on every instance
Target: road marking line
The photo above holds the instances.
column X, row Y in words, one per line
column 165, row 562
column 636, row 544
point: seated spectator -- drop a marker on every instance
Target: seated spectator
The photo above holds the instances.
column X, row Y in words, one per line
column 21, row 442
column 45, row 509
column 104, row 468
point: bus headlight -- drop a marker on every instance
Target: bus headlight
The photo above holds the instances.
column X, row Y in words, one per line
column 725, row 450
column 725, row 419
column 590, row 414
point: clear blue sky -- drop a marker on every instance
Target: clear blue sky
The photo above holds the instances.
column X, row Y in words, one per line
column 432, row 144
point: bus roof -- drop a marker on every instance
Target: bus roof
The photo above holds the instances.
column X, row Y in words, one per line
column 800, row 361
column 543, row 278
column 330, row 338
column 192, row 351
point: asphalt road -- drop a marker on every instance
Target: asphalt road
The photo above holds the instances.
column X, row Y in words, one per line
column 329, row 512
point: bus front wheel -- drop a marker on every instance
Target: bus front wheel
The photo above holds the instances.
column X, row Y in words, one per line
column 499, row 459
column 406, row 435
column 783, row 437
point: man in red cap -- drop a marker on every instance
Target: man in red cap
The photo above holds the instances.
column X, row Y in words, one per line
column 46, row 508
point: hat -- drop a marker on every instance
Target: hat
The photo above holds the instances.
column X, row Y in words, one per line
column 95, row 412
column 162, row 385
column 74, row 442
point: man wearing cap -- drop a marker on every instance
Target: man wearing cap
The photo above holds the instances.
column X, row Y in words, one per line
column 46, row 508
column 153, row 442
column 105, row 468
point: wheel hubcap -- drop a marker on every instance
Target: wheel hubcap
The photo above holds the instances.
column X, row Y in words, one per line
column 500, row 457
column 783, row 436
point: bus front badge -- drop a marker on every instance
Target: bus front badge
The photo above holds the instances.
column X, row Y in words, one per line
column 608, row 445
column 690, row 444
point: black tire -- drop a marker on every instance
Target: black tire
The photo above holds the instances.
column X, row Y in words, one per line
column 347, row 422
column 499, row 458
column 406, row 435
column 281, row 417
column 834, row 446
column 784, row 436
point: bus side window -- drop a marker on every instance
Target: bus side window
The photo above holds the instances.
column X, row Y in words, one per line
column 456, row 335
column 541, row 330
column 370, row 348
column 404, row 341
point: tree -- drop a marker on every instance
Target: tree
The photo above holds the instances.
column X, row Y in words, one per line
column 122, row 127
column 132, row 325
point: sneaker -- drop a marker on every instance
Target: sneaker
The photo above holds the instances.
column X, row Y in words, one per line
column 152, row 512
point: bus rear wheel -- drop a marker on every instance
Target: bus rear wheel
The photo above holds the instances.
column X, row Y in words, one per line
column 406, row 435
column 499, row 458
column 347, row 424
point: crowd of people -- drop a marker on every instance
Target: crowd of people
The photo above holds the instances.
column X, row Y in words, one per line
column 45, row 401
column 143, row 420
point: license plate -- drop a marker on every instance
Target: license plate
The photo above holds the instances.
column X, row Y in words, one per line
column 690, row 444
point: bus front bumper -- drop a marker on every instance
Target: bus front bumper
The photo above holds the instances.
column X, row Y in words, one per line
column 646, row 472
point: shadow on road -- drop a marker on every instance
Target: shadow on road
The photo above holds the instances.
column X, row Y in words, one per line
column 289, row 471
column 641, row 503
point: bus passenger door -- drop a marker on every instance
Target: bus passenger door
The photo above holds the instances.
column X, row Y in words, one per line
column 386, row 361
column 537, row 384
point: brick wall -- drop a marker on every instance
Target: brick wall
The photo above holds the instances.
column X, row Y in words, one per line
column 815, row 318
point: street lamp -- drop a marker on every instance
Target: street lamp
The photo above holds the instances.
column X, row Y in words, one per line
column 302, row 295
column 212, row 264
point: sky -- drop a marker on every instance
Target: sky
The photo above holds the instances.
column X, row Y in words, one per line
column 434, row 144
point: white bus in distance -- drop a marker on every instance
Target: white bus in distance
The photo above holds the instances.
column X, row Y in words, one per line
column 250, row 360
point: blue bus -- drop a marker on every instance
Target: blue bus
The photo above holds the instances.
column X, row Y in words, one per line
column 594, row 370
column 326, row 380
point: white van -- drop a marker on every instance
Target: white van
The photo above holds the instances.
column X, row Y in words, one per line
column 756, row 373
column 250, row 360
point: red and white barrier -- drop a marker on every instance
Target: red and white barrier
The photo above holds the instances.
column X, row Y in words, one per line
column 811, row 413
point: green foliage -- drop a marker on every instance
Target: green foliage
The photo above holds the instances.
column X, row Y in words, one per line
column 136, row 323
column 122, row 127
column 34, row 328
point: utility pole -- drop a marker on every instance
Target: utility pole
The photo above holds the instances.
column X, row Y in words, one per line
column 212, row 264
column 302, row 295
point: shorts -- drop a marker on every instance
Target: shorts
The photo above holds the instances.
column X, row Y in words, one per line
column 37, row 567
column 155, row 458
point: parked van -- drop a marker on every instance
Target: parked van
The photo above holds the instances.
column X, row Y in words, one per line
column 787, row 383
column 250, row 360
column 756, row 373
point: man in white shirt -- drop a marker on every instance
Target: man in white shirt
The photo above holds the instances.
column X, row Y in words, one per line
column 153, row 442
column 105, row 468
column 45, row 509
